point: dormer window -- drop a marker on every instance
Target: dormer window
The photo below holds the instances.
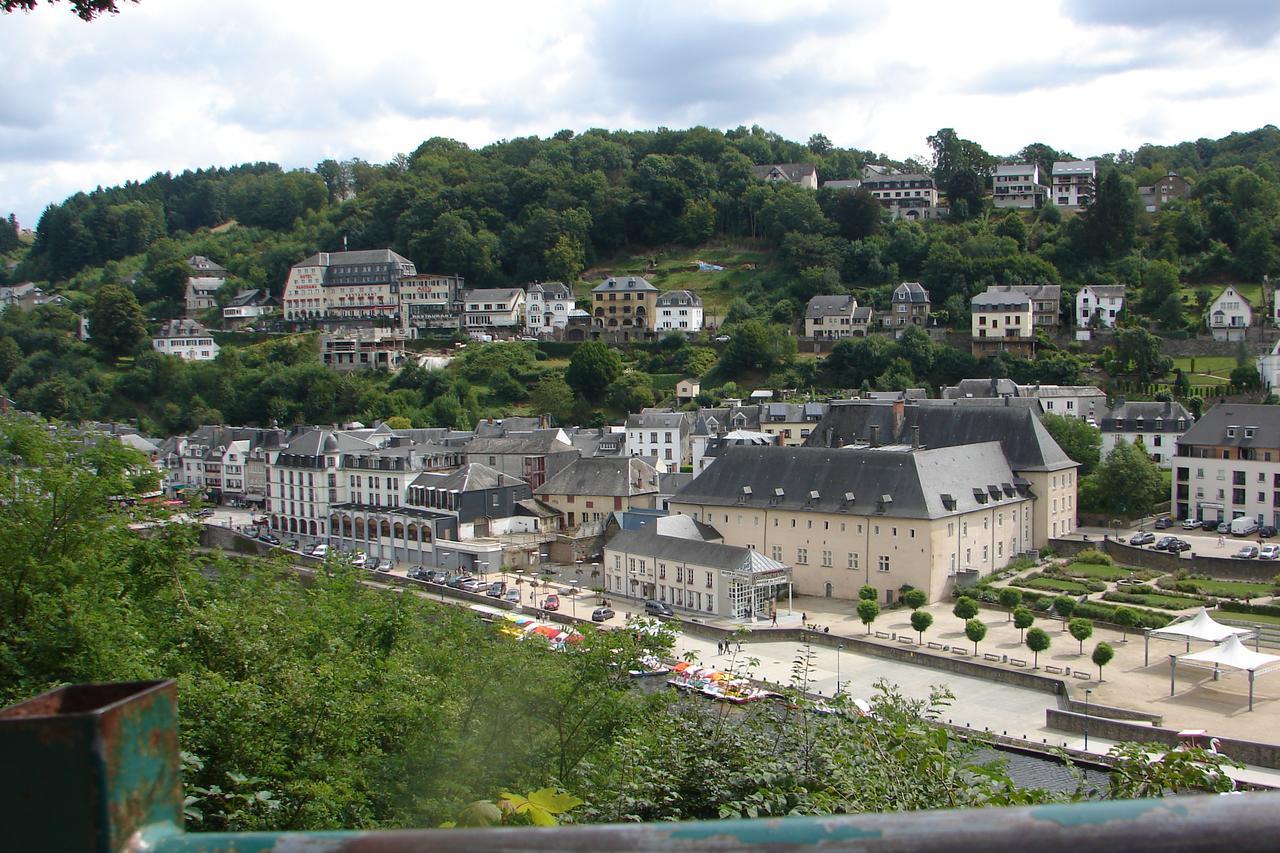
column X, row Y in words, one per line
column 1248, row 432
column 1231, row 432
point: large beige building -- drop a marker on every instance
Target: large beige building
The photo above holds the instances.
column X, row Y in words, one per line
column 346, row 286
column 624, row 305
column 1003, row 318
column 589, row 489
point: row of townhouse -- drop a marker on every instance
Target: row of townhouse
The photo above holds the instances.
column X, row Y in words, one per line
column 836, row 317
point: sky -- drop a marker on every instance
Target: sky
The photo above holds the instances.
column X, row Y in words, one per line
column 168, row 85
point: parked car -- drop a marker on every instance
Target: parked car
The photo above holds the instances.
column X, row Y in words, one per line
column 552, row 602
column 1164, row 522
column 1246, row 552
column 1165, row 542
column 1177, row 546
column 419, row 573
column 657, row 608
column 321, row 551
column 437, row 576
column 602, row 614
column 1270, row 551
column 512, row 595
column 721, row 339
column 1191, row 524
column 384, row 566
column 359, row 559
column 1142, row 537
column 496, row 589
column 1266, row 531
column 1243, row 526
column 472, row 585
column 268, row 538
column 207, row 512
column 1209, row 525
column 457, row 581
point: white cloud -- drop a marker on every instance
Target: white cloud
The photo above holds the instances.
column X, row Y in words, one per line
column 168, row 85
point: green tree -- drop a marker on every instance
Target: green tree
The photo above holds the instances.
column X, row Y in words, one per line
column 920, row 622
column 1010, row 598
column 1110, row 222
column 1246, row 376
column 1102, row 655
column 754, row 345
column 1129, row 484
column 966, row 608
column 975, row 630
column 952, row 155
column 1139, row 352
column 592, row 368
column 1064, row 606
column 630, row 392
column 868, row 610
column 914, row 598
column 1081, row 442
column 565, row 260
column 1081, row 629
column 867, row 592
column 1126, row 618
column 1022, row 620
column 117, row 325
column 10, row 357
column 1038, row 641
column 553, row 396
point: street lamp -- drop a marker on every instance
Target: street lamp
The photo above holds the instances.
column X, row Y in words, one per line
column 1115, row 528
column 839, row 649
column 573, row 595
column 1087, row 691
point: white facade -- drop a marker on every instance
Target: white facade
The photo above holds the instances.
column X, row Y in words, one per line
column 186, row 339
column 1073, row 183
column 664, row 436
column 1017, row 185
column 547, row 308
column 1101, row 301
column 1230, row 315
column 1073, row 401
column 679, row 310
column 492, row 308
column 1269, row 368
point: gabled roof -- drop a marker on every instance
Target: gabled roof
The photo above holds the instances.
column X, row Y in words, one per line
column 1075, row 167
column 650, row 543
column 551, row 290
column 181, row 329
column 363, row 256
column 680, row 297
column 659, row 420
column 1253, row 425
column 1040, row 292
column 1145, row 416
column 537, row 442
column 317, row 442
column 618, row 285
column 502, row 294
column 910, row 291
column 794, row 172
column 1000, row 297
column 202, row 264
column 469, row 478
column 607, row 476
column 830, row 306
column 1016, row 168
column 1105, row 291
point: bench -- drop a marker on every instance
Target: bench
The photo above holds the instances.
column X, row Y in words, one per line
column 990, row 656
column 1056, row 670
column 937, row 646
column 881, row 635
column 956, row 650
column 906, row 640
column 1017, row 662
column 1083, row 676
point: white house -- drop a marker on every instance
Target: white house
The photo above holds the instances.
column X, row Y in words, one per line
column 1073, row 183
column 206, row 279
column 249, row 305
column 679, row 310
column 1230, row 315
column 494, row 308
column 1017, row 185
column 660, row 435
column 1269, row 368
column 1101, row 301
column 547, row 307
column 185, row 339
column 1228, row 464
column 1158, row 425
column 830, row 317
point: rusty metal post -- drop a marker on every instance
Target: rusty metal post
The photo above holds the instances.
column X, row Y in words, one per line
column 85, row 767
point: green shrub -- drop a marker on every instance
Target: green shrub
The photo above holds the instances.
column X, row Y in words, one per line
column 1099, row 612
column 1093, row 555
column 1255, row 609
column 1162, row 601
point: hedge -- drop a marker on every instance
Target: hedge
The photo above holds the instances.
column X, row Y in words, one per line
column 558, row 349
column 1093, row 555
column 1255, row 609
column 1154, row 599
column 1106, row 613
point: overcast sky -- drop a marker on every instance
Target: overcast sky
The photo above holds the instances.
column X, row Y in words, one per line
column 173, row 84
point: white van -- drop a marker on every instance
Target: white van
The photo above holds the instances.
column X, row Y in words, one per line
column 320, row 551
column 1243, row 526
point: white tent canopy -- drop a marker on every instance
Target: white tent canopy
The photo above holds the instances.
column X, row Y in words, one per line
column 1199, row 627
column 1233, row 654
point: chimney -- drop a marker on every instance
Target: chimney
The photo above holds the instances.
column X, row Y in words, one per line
column 830, row 433
column 1168, row 408
column 915, row 437
column 544, row 421
column 875, row 435
column 899, row 416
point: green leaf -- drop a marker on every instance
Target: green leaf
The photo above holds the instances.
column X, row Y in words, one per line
column 556, row 802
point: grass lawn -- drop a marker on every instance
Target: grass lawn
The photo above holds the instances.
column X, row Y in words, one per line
column 1244, row 618
column 1052, row 584
column 1162, row 602
column 1239, row 589
column 1108, row 573
column 1220, row 365
column 678, row 270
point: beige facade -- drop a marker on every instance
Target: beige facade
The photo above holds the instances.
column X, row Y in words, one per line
column 1003, row 318
column 583, row 509
column 624, row 304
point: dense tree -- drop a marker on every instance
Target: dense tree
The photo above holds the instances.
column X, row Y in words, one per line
column 920, row 622
column 116, row 322
column 1139, row 352
column 914, row 598
column 1128, row 482
column 868, row 610
column 952, row 155
column 1081, row 442
column 975, row 630
column 1038, row 640
column 1023, row 619
column 1064, row 606
column 965, row 608
column 754, row 345
column 592, row 368
column 1010, row 598
column 1081, row 630
column 553, row 396
column 1102, row 655
column 1110, row 222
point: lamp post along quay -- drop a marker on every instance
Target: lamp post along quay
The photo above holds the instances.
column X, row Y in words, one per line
column 1087, row 692
column 839, row 649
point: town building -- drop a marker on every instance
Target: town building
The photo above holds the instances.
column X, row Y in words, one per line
column 686, row 566
column 430, row 301
column 1157, row 425
column 1228, row 465
column 687, row 390
column 1169, row 188
column 627, row 306
column 483, row 499
column 588, row 490
column 346, row 286
column 1073, row 183
column 1073, row 401
column 908, row 306
column 1002, row 319
column 1230, row 315
column 186, row 339
column 851, row 184
column 206, row 279
column 830, row 317
column 679, row 310
column 531, row 456
column 547, row 307
column 1046, row 305
column 706, row 452
column 801, row 174
column 1268, row 366
column 887, row 517
column 248, row 306
column 1098, row 305
column 790, row 422
column 501, row 308
column 906, row 196
column 374, row 348
column 660, row 435
column 1018, row 186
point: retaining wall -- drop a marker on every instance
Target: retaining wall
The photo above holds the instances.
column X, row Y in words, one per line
column 1246, row 751
column 1222, row 568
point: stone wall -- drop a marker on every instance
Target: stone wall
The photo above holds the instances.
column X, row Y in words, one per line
column 1222, row 568
column 1245, row 751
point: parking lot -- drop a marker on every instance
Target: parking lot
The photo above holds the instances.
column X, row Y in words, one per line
column 1203, row 543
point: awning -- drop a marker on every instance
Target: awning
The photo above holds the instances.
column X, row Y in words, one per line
column 1200, row 626
column 1232, row 654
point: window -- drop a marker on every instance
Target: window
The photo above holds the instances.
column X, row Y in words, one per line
column 777, row 553
column 826, row 558
column 853, row 558
column 883, row 563
column 710, row 580
column 802, row 556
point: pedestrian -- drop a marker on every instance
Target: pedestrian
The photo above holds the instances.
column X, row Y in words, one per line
column 804, row 617
column 774, row 617
column 739, row 645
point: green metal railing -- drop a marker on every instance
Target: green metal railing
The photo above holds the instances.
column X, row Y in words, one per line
column 95, row 767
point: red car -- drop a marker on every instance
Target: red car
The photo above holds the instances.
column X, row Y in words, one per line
column 552, row 603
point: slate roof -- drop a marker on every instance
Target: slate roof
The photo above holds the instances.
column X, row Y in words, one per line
column 202, row 264
column 658, row 420
column 793, row 172
column 469, row 478
column 1143, row 417
column 618, row 285
column 1213, row 426
column 947, row 423
column 537, row 442
column 649, row 543
column 551, row 289
column 608, row 476
column 181, row 329
column 830, row 306
column 879, row 180
column 317, row 442
column 363, row 256
column 851, row 184
column 502, row 294
column 1002, row 297
column 251, row 297
column 1105, row 291
column 1075, row 167
column 1041, row 292
column 679, row 297
column 671, row 482
column 917, row 483
column 1015, row 168
column 863, row 313
column 911, row 291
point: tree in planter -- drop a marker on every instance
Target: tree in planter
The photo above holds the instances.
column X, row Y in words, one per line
column 1010, row 598
column 1038, row 641
column 920, row 622
column 975, row 630
column 1081, row 629
column 1022, row 620
column 868, row 610
column 966, row 608
column 1064, row 606
column 915, row 598
column 867, row 592
column 1126, row 618
column 1102, row 655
